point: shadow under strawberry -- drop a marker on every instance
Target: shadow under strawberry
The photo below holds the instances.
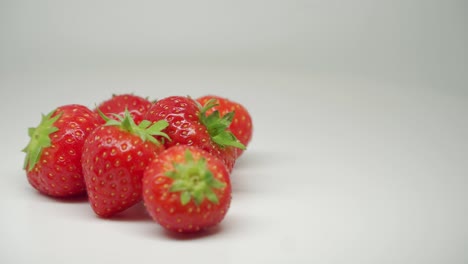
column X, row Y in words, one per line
column 75, row 199
column 136, row 213
column 191, row 236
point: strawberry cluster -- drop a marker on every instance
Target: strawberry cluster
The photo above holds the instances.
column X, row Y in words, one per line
column 175, row 155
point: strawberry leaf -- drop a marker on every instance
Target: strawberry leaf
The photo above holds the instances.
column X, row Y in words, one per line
column 156, row 129
column 40, row 139
column 144, row 124
column 194, row 181
column 210, row 195
column 218, row 127
column 146, row 130
column 178, row 185
column 226, row 138
column 185, row 198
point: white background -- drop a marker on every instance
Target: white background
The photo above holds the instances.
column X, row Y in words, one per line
column 360, row 113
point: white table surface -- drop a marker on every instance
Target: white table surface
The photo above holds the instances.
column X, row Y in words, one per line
column 341, row 169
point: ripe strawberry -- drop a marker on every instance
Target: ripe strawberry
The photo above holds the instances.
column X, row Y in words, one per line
column 186, row 189
column 53, row 154
column 241, row 125
column 190, row 125
column 115, row 156
column 136, row 105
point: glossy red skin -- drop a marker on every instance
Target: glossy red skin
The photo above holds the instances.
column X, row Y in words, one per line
column 136, row 105
column 185, row 127
column 165, row 207
column 58, row 172
column 241, row 125
column 113, row 164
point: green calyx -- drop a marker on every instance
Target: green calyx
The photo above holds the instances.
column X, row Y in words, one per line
column 218, row 126
column 39, row 139
column 194, row 181
column 146, row 130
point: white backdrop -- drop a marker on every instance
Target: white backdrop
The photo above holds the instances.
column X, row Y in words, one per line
column 360, row 129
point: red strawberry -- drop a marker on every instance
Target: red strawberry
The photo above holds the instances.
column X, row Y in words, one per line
column 186, row 189
column 241, row 125
column 189, row 125
column 136, row 105
column 115, row 156
column 53, row 154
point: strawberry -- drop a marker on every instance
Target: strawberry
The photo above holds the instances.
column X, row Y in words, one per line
column 186, row 189
column 136, row 105
column 241, row 125
column 115, row 156
column 53, row 154
column 190, row 125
